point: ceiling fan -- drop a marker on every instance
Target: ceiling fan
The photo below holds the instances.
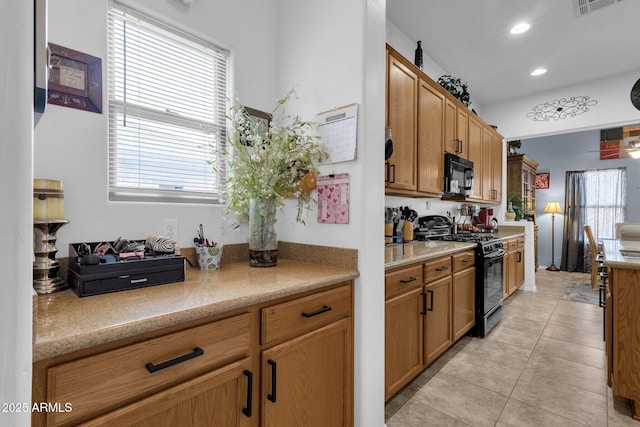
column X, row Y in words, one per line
column 628, row 147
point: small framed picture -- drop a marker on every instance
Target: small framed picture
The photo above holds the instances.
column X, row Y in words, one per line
column 542, row 180
column 75, row 79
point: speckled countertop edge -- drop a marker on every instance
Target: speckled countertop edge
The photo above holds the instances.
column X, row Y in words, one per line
column 64, row 323
column 421, row 251
column 614, row 259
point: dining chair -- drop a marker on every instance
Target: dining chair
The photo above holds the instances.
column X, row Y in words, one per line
column 596, row 258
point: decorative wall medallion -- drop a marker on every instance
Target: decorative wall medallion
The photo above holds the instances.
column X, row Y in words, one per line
column 561, row 108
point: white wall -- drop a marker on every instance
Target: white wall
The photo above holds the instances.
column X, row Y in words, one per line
column 331, row 69
column 613, row 108
column 71, row 145
column 16, row 214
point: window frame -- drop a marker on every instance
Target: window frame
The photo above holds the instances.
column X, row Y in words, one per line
column 123, row 107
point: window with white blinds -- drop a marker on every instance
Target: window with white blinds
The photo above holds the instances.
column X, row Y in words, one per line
column 167, row 107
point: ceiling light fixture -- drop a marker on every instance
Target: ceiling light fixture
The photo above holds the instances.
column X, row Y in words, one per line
column 538, row 71
column 520, row 28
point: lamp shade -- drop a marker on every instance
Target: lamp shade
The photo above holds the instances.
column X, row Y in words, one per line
column 552, row 207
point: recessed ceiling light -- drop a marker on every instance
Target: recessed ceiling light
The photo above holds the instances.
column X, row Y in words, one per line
column 538, row 71
column 520, row 28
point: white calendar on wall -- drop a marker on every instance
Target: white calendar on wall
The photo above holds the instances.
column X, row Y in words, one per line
column 337, row 129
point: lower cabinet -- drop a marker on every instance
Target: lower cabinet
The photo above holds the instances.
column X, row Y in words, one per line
column 287, row 363
column 513, row 273
column 219, row 398
column 437, row 323
column 428, row 306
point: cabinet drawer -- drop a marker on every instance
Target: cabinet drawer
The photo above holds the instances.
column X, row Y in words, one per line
column 293, row 318
column 107, row 380
column 437, row 268
column 511, row 245
column 463, row 261
column 520, row 242
column 398, row 282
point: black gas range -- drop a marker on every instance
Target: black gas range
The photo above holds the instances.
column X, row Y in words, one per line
column 489, row 254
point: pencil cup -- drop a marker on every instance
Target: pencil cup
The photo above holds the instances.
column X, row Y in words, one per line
column 209, row 257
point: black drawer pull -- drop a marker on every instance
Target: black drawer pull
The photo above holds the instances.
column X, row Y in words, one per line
column 409, row 280
column 324, row 309
column 442, row 268
column 272, row 396
column 247, row 410
column 197, row 351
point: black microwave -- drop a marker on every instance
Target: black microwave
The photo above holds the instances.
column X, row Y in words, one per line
column 458, row 175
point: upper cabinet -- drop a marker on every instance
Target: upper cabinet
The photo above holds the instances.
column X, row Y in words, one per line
column 426, row 121
column 402, row 113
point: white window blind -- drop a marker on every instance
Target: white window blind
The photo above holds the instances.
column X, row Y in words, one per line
column 167, row 107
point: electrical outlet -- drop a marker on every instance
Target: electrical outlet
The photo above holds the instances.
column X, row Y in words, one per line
column 171, row 229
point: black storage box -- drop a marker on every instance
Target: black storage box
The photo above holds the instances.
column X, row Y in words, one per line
column 114, row 274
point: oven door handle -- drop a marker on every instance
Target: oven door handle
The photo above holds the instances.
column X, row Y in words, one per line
column 497, row 254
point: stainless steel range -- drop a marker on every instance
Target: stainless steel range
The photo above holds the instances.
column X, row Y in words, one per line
column 489, row 254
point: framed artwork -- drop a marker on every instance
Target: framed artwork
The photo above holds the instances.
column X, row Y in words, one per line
column 75, row 79
column 542, row 180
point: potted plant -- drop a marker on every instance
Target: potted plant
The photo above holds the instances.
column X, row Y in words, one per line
column 514, row 146
column 265, row 167
column 455, row 87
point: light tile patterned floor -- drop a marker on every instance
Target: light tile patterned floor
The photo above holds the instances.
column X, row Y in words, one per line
column 543, row 365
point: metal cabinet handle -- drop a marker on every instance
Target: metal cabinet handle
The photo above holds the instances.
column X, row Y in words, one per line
column 247, row 410
column 442, row 268
column 272, row 396
column 197, row 351
column 409, row 280
column 430, row 300
column 424, row 303
column 324, row 309
column 392, row 167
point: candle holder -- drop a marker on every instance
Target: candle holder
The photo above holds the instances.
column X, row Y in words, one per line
column 45, row 266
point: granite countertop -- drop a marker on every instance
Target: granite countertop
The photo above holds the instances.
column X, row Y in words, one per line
column 622, row 254
column 64, row 323
column 420, row 251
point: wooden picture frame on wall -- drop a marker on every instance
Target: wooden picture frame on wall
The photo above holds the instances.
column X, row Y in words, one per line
column 542, row 180
column 75, row 79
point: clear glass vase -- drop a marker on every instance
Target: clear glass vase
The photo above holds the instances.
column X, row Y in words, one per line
column 263, row 244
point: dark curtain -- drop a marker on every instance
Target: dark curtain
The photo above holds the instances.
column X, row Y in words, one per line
column 574, row 219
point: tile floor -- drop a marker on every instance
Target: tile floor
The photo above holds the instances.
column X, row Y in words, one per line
column 542, row 365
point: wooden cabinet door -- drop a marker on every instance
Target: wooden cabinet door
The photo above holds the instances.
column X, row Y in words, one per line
column 505, row 275
column 402, row 94
column 451, row 144
column 403, row 340
column 218, row 398
column 463, row 302
column 513, row 268
column 437, row 321
column 487, row 166
column 496, row 166
column 431, row 105
column 475, row 151
column 462, row 131
column 519, row 279
column 308, row 380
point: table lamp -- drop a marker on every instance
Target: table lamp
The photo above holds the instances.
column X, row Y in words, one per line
column 553, row 208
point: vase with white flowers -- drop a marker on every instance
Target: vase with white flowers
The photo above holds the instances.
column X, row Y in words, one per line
column 267, row 166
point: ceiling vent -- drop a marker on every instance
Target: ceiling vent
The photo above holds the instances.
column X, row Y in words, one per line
column 585, row 7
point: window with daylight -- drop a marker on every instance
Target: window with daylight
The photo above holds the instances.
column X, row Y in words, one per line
column 167, row 112
column 605, row 200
